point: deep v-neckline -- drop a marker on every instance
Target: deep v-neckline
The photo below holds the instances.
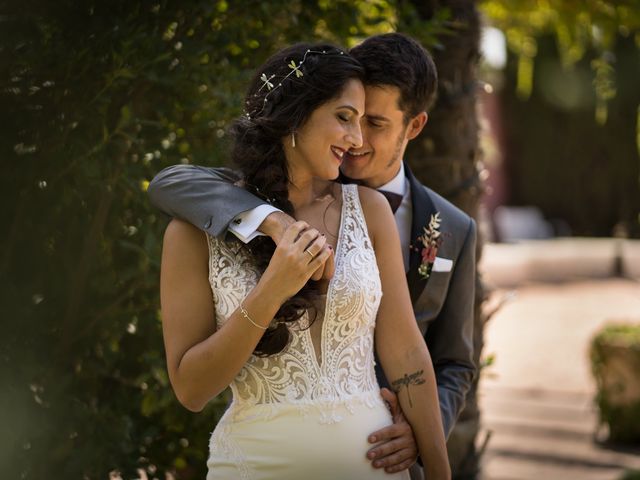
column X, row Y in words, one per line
column 319, row 360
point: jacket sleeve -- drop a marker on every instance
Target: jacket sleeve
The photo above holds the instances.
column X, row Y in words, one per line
column 450, row 336
column 205, row 197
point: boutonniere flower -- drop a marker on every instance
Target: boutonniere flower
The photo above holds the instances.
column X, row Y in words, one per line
column 431, row 240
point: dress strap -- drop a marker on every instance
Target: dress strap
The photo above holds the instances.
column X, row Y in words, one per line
column 214, row 251
column 353, row 209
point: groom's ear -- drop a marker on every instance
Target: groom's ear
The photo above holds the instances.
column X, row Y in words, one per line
column 416, row 124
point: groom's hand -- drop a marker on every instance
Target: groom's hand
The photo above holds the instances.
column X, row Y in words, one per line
column 274, row 226
column 397, row 449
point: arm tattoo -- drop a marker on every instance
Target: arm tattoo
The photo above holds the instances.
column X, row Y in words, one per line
column 415, row 378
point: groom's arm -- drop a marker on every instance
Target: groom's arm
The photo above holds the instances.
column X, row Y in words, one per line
column 209, row 199
column 396, row 448
column 450, row 335
column 450, row 343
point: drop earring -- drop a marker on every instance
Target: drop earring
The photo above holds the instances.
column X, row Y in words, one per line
column 293, row 139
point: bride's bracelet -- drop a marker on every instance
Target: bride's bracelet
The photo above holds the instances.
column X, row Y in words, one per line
column 245, row 314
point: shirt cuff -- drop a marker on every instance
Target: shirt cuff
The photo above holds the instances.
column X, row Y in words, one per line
column 245, row 225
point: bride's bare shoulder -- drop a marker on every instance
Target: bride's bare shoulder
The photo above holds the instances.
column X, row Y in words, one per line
column 183, row 230
column 370, row 198
column 376, row 209
column 182, row 238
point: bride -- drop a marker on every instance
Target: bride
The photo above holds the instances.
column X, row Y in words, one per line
column 299, row 353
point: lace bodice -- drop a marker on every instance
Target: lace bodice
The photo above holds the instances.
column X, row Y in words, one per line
column 341, row 367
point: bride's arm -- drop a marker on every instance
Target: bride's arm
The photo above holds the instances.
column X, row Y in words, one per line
column 202, row 361
column 401, row 349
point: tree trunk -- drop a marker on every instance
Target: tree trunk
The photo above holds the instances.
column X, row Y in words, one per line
column 446, row 157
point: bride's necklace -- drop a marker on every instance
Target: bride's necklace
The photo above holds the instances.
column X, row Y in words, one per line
column 325, row 199
column 324, row 219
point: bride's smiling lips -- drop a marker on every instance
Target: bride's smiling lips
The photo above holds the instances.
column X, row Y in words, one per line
column 338, row 152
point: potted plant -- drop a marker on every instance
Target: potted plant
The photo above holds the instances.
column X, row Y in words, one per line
column 615, row 363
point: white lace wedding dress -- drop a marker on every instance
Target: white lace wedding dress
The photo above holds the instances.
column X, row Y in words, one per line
column 306, row 412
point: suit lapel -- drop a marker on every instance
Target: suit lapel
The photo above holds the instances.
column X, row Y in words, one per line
column 423, row 208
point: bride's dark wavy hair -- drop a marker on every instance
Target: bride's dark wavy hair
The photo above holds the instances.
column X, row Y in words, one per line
column 291, row 97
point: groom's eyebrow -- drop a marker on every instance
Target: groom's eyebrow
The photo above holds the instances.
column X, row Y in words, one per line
column 377, row 118
column 349, row 107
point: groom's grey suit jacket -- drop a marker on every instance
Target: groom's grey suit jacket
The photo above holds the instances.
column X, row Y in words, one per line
column 443, row 304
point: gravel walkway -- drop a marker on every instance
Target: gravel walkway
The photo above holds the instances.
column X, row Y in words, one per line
column 537, row 397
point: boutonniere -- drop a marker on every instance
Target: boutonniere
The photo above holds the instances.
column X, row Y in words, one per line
column 431, row 241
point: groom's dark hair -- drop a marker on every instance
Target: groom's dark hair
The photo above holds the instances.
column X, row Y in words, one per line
column 398, row 60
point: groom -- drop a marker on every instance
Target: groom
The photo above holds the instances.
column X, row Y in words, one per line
column 399, row 86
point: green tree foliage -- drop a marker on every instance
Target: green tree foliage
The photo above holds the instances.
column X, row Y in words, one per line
column 590, row 28
column 573, row 59
column 560, row 159
column 96, row 98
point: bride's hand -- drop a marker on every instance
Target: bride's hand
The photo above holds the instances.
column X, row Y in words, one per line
column 327, row 269
column 276, row 224
column 301, row 251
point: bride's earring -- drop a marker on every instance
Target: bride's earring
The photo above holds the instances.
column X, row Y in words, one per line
column 293, row 139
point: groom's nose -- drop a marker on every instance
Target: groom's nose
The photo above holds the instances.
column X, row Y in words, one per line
column 355, row 136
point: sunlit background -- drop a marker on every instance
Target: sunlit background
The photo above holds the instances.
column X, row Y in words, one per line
column 535, row 133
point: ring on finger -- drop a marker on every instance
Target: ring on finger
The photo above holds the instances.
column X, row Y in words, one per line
column 309, row 253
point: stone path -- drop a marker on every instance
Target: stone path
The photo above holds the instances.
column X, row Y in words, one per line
column 537, row 398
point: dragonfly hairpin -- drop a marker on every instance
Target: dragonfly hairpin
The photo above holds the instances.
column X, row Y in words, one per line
column 296, row 69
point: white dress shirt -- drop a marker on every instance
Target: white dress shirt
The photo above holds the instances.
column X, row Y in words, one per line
column 245, row 225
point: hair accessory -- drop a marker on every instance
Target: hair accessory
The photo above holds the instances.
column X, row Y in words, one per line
column 266, row 81
column 295, row 69
column 245, row 314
